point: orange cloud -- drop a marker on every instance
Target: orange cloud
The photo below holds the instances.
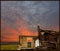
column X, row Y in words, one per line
column 24, row 29
column 12, row 34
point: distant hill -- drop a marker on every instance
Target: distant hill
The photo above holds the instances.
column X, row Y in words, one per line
column 8, row 43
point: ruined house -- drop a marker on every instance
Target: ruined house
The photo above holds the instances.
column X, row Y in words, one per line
column 45, row 38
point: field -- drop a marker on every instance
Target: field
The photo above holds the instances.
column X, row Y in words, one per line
column 9, row 47
column 15, row 46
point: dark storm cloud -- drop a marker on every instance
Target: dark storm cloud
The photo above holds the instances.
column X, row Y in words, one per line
column 35, row 12
column 17, row 14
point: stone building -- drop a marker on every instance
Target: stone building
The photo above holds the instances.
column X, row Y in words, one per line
column 27, row 41
column 44, row 38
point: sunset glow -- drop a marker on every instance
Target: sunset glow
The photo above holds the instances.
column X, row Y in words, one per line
column 22, row 17
column 29, row 39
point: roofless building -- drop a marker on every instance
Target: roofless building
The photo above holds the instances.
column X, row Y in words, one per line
column 44, row 38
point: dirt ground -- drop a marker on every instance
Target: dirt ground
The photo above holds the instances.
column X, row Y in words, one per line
column 40, row 50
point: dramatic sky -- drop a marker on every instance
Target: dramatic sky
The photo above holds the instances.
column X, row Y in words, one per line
column 22, row 18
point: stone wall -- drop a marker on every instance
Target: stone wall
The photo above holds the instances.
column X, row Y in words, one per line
column 23, row 42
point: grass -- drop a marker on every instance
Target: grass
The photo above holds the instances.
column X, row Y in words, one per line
column 15, row 46
column 9, row 47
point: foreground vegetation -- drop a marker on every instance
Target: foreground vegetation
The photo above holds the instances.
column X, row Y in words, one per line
column 9, row 47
